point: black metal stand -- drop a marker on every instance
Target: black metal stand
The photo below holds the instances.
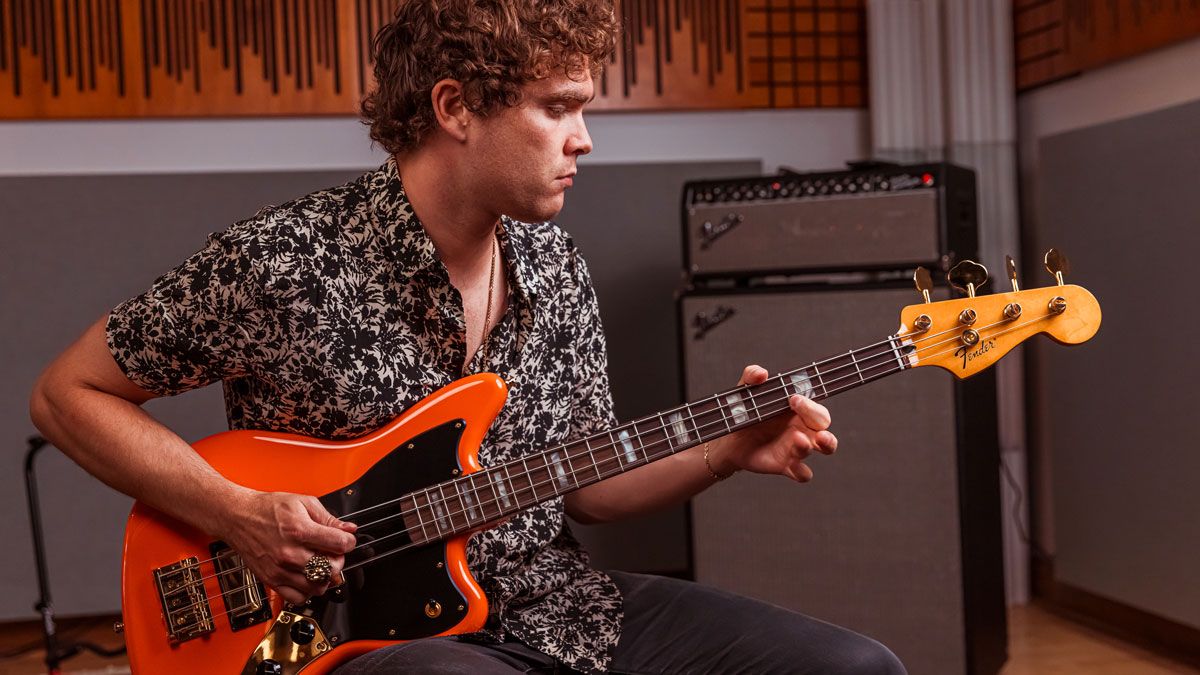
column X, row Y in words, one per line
column 55, row 653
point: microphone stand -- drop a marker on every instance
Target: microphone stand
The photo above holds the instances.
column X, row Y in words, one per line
column 55, row 653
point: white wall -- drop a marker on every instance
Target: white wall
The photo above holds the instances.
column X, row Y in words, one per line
column 815, row 139
column 1160, row 79
column 806, row 139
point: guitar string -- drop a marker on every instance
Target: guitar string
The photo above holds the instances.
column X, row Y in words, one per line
column 714, row 397
column 888, row 357
column 656, row 456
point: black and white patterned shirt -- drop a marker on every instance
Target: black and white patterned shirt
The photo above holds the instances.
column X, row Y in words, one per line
column 330, row 315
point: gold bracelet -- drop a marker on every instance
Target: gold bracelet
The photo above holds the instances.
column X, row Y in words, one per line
column 708, row 464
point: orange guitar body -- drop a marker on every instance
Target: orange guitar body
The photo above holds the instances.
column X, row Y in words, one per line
column 392, row 602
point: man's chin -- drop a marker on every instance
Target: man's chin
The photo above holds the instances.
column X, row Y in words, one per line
column 538, row 213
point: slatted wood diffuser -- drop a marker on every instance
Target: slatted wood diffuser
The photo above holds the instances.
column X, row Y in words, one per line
column 1060, row 38
column 172, row 58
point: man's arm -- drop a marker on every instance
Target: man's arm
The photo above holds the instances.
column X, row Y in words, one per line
column 87, row 407
column 777, row 446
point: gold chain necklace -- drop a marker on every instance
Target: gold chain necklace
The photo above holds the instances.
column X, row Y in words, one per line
column 487, row 317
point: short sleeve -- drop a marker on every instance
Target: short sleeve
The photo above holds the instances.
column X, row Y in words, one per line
column 203, row 321
column 592, row 402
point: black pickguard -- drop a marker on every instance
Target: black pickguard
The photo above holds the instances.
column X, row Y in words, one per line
column 387, row 598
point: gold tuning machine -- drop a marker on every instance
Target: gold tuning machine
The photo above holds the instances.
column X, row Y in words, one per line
column 1011, row 266
column 1057, row 265
column 967, row 276
column 924, row 282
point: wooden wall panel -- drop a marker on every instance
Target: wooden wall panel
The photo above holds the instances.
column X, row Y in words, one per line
column 182, row 58
column 1060, row 38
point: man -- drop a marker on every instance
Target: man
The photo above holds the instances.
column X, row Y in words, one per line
column 330, row 315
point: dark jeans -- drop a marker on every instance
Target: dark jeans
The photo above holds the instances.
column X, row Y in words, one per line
column 670, row 626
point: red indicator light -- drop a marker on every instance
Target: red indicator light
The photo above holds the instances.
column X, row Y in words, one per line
column 775, row 186
column 927, row 179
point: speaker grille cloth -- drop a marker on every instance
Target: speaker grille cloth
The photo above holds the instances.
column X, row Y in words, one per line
column 872, row 543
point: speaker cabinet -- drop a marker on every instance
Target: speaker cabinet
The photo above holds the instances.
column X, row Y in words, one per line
column 898, row 535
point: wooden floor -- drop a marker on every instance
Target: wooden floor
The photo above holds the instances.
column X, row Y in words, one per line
column 1040, row 643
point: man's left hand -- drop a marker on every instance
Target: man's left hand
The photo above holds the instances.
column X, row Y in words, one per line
column 779, row 445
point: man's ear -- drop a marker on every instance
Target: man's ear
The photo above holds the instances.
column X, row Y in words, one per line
column 450, row 109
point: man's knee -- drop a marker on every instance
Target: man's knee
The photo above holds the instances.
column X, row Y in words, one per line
column 423, row 657
column 869, row 657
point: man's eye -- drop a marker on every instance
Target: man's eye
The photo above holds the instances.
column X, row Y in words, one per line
column 557, row 110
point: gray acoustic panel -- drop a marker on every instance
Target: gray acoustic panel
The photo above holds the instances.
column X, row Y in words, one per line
column 1116, row 416
column 73, row 248
column 625, row 220
column 873, row 542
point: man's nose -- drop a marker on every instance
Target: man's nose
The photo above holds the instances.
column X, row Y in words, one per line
column 580, row 143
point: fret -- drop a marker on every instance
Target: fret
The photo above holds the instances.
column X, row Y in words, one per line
column 420, row 520
column 666, row 434
column 752, row 398
column 529, row 477
column 616, row 448
column 482, row 500
column 540, row 474
column 855, row 362
column 591, row 455
column 820, row 380
column 652, row 439
column 433, row 512
column 447, row 508
column 468, row 501
column 703, row 412
column 625, row 446
column 487, row 477
column 691, row 417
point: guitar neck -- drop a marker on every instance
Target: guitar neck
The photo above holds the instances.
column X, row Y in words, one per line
column 467, row 502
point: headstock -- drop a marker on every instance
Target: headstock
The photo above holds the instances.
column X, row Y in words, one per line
column 969, row 334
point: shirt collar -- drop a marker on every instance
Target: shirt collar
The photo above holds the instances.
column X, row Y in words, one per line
column 412, row 249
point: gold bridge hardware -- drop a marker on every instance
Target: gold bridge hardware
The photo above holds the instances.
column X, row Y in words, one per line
column 290, row 648
column 184, row 600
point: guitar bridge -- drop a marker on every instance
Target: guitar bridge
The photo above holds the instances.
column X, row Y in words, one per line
column 184, row 600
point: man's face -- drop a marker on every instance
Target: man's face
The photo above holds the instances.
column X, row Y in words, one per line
column 523, row 158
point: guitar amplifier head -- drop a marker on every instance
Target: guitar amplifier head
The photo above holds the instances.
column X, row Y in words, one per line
column 881, row 218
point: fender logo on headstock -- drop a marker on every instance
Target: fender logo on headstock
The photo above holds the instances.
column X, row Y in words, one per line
column 969, row 354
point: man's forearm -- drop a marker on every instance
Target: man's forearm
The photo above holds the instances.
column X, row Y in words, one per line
column 122, row 445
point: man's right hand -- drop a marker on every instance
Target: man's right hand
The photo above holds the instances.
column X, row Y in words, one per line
column 276, row 533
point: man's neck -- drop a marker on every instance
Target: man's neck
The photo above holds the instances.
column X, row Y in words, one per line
column 461, row 231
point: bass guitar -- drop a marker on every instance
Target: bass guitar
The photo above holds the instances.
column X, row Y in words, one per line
column 417, row 492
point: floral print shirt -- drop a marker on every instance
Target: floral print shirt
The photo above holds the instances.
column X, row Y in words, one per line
column 330, row 315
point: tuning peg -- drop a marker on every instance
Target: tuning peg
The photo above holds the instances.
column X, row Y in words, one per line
column 1011, row 265
column 1057, row 265
column 924, row 282
column 967, row 276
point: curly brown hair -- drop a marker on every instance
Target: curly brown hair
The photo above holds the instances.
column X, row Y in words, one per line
column 492, row 47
